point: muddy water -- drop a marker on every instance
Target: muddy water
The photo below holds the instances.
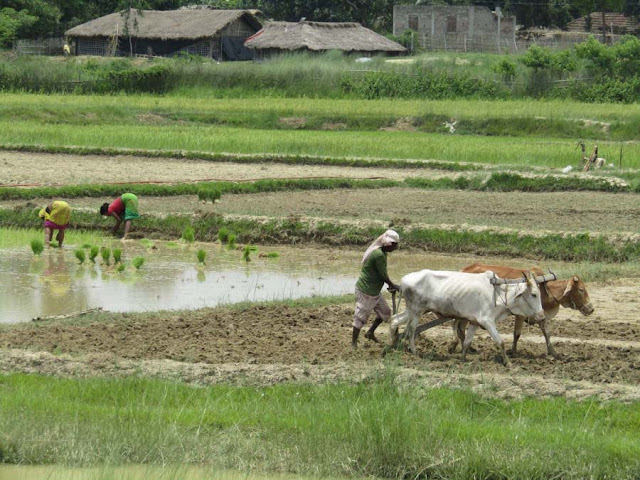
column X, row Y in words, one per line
column 56, row 284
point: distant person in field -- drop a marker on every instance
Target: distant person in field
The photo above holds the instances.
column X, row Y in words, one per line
column 373, row 276
column 56, row 216
column 66, row 49
column 123, row 208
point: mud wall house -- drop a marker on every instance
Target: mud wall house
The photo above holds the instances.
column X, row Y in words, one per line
column 277, row 38
column 217, row 34
column 462, row 28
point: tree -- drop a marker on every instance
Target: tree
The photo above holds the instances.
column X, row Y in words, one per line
column 11, row 23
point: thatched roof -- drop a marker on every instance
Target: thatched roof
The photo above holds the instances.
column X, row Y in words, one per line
column 164, row 25
column 320, row 36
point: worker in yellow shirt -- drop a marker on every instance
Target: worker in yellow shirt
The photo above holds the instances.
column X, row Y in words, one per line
column 56, row 216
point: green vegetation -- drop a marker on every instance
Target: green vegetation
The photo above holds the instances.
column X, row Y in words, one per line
column 93, row 253
column 106, row 255
column 121, row 268
column 80, row 255
column 117, row 255
column 187, row 234
column 304, row 428
column 37, row 246
column 246, row 253
column 201, row 255
column 502, row 182
column 232, row 241
column 223, row 235
column 574, row 248
column 137, row 262
column 272, row 255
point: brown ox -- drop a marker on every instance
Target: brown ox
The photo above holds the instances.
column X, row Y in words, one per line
column 570, row 293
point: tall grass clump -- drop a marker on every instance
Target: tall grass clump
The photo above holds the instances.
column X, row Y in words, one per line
column 137, row 262
column 93, row 253
column 106, row 255
column 202, row 255
column 80, row 255
column 187, row 234
column 223, row 235
column 37, row 246
column 117, row 255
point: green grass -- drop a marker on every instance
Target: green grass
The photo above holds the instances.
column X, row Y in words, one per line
column 479, row 117
column 521, row 151
column 371, row 428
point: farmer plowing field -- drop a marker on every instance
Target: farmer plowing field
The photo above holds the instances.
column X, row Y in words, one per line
column 373, row 276
column 123, row 208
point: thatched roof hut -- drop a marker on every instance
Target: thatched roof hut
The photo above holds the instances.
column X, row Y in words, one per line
column 207, row 32
column 619, row 23
column 279, row 37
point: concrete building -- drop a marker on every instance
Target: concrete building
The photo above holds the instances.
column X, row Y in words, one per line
column 461, row 28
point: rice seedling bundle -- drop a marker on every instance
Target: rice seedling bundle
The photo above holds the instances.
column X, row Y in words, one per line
column 80, row 255
column 37, row 246
column 138, row 262
column 232, row 241
column 117, row 255
column 202, row 255
column 223, row 235
column 121, row 268
column 273, row 255
column 246, row 253
column 106, row 255
column 187, row 234
column 93, row 253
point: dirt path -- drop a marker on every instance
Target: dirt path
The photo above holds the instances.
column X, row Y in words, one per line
column 600, row 354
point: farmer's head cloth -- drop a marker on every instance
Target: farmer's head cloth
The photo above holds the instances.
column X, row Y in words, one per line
column 384, row 240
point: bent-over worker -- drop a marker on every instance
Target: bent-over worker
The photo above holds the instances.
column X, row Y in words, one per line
column 56, row 216
column 373, row 276
column 123, row 208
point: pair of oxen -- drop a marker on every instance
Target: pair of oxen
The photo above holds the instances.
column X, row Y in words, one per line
column 483, row 295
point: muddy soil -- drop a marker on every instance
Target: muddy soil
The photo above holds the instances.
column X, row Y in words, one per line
column 600, row 354
column 19, row 168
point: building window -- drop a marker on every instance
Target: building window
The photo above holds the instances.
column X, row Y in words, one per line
column 452, row 24
column 413, row 23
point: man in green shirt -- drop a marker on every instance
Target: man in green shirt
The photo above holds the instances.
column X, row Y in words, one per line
column 373, row 276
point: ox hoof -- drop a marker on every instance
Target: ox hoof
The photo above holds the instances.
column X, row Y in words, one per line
column 371, row 336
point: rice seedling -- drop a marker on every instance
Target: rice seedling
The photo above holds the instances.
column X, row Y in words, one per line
column 117, row 255
column 273, row 254
column 137, row 262
column 80, row 255
column 93, row 253
column 106, row 255
column 223, row 235
column 146, row 243
column 232, row 241
column 37, row 246
column 187, row 234
column 246, row 253
column 172, row 244
column 202, row 255
column 209, row 194
column 121, row 267
column 86, row 246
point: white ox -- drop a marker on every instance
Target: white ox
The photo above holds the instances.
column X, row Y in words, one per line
column 469, row 296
